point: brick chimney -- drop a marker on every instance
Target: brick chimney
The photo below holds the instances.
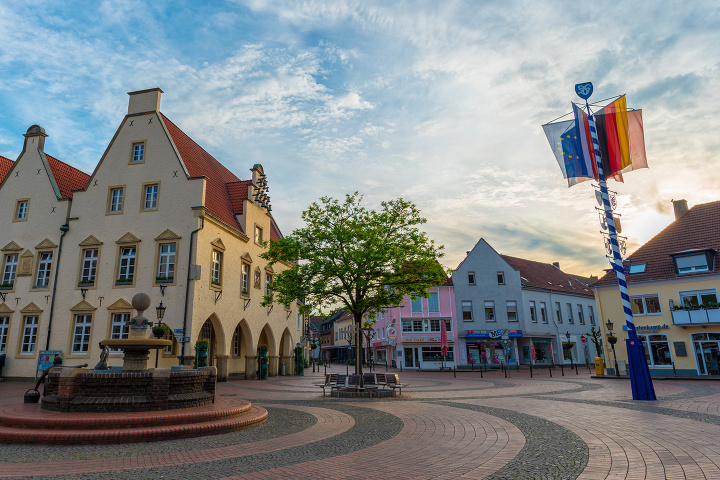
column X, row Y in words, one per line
column 144, row 101
column 680, row 207
column 556, row 265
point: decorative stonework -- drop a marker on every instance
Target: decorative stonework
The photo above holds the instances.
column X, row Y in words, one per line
column 26, row 264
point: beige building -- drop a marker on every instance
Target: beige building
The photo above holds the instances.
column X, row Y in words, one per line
column 158, row 215
column 673, row 284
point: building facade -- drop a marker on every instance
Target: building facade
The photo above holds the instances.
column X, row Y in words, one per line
column 512, row 310
column 673, row 282
column 158, row 215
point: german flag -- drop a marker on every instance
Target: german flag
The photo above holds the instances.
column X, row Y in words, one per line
column 613, row 137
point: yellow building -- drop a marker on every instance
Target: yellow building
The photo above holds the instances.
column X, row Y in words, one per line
column 158, row 215
column 673, row 284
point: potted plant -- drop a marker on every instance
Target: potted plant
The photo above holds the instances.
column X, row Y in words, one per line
column 217, row 284
column 164, row 279
column 160, row 330
column 245, row 293
column 124, row 281
column 6, row 286
column 201, row 353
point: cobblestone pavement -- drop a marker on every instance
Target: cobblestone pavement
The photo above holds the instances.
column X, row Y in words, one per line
column 441, row 427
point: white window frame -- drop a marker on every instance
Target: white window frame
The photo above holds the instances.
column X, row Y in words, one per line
column 10, row 268
column 471, row 278
column 258, row 235
column 29, row 335
column 21, row 210
column 126, row 267
column 4, row 329
column 466, row 307
column 558, row 312
column 647, row 347
column 698, row 294
column 119, row 328
column 533, row 312
column 42, row 279
column 81, row 333
column 692, row 269
column 166, row 260
column 88, row 271
column 501, row 278
column 571, row 320
column 510, row 305
column 268, row 283
column 591, row 315
column 581, row 315
column 245, row 279
column 138, row 155
column 216, row 272
column 116, row 200
column 490, row 311
column 644, row 304
column 414, row 304
column 437, row 302
column 150, row 199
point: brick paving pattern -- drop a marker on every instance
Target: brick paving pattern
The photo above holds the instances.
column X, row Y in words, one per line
column 440, row 428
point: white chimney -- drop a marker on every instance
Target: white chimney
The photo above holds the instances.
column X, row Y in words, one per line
column 144, row 101
column 680, row 207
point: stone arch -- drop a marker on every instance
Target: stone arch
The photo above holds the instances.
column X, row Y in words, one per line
column 286, row 351
column 241, row 347
column 268, row 338
column 212, row 329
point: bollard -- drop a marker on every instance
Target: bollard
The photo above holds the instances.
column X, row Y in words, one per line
column 472, row 365
column 454, row 373
column 347, row 369
column 674, row 371
column 562, row 369
column 550, row 370
column 386, row 364
column 481, row 374
column 531, row 370
column 518, row 366
column 576, row 372
column 588, row 366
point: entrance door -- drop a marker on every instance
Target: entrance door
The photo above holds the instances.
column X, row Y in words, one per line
column 708, row 355
column 412, row 360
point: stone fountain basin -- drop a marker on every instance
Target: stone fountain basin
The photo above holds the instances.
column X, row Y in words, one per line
column 137, row 343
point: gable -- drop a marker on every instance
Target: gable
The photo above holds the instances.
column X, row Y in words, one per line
column 45, row 244
column 90, row 241
column 218, row 243
column 121, row 304
column 83, row 306
column 167, row 235
column 127, row 239
column 31, row 308
column 11, row 247
column 5, row 309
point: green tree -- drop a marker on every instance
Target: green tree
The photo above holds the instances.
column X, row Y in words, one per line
column 359, row 258
column 596, row 337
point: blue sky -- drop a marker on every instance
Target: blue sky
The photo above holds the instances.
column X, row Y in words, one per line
column 438, row 102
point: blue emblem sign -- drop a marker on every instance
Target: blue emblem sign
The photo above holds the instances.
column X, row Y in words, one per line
column 584, row 90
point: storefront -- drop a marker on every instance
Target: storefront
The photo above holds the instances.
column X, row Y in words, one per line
column 539, row 352
column 421, row 352
column 486, row 346
column 707, row 352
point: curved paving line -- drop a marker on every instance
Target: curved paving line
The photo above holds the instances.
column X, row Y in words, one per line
column 281, row 421
column 371, row 427
column 550, row 451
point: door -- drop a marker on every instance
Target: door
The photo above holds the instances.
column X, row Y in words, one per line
column 708, row 355
column 412, row 360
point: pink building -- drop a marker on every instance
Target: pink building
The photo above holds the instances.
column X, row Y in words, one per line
column 409, row 335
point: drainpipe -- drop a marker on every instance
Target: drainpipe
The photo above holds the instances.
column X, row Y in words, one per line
column 187, row 286
column 64, row 229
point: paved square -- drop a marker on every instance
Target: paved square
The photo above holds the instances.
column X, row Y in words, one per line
column 440, row 428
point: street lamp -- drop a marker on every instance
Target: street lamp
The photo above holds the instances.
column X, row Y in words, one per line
column 160, row 313
column 612, row 340
column 569, row 345
column 369, row 333
column 347, row 362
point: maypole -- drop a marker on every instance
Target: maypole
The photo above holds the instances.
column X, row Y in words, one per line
column 641, row 382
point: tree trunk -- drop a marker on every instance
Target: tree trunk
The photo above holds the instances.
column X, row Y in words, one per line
column 358, row 344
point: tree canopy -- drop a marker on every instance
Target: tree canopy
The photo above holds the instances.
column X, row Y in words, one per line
column 362, row 259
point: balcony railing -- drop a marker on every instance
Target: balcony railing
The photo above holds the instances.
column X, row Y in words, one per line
column 700, row 316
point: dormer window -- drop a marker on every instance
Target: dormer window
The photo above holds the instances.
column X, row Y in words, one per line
column 695, row 262
column 637, row 268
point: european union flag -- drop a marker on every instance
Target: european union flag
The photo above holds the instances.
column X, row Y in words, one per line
column 573, row 157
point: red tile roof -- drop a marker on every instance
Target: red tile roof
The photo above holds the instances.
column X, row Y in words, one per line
column 67, row 178
column 698, row 229
column 5, row 166
column 238, row 192
column 274, row 231
column 547, row 276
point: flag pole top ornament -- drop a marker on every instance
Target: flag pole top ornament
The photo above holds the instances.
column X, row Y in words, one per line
column 584, row 90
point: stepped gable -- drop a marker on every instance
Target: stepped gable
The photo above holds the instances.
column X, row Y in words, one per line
column 546, row 276
column 5, row 166
column 67, row 178
column 697, row 229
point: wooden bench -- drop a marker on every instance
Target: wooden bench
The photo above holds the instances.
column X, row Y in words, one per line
column 330, row 381
column 370, row 381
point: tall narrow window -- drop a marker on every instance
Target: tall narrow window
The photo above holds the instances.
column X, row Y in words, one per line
column 416, row 306
column 581, row 316
column 4, row 327
column 138, row 152
column 268, row 284
column 21, row 210
column 119, row 328
column 558, row 312
column 501, row 278
column 29, row 336
column 166, row 262
column 116, row 200
column 126, row 272
column 489, row 310
column 533, row 313
column 471, row 278
column 81, row 334
column 570, row 313
column 216, row 267
column 591, row 315
column 433, row 305
column 236, row 341
column 467, row 314
column 150, row 197
column 512, row 313
column 89, row 266
column 9, row 270
column 43, row 272
column 543, row 312
column 245, row 278
column 258, row 235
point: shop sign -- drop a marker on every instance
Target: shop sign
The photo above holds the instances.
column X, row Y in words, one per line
column 378, row 344
column 423, row 340
column 391, row 334
column 650, row 328
column 491, row 333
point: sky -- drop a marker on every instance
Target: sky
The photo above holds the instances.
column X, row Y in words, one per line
column 438, row 102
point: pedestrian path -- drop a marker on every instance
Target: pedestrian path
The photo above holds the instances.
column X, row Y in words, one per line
column 442, row 427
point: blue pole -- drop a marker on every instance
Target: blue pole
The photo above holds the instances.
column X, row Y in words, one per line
column 641, row 383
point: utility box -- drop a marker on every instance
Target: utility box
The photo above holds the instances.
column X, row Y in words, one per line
column 599, row 367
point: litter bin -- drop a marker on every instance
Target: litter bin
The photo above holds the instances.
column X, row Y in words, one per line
column 282, row 370
column 599, row 367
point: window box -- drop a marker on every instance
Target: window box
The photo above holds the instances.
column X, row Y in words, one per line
column 164, row 279
column 86, row 283
column 124, row 281
column 6, row 286
column 245, row 293
column 215, row 283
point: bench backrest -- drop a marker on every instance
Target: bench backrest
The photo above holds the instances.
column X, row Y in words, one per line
column 392, row 378
column 341, row 379
column 354, row 381
column 331, row 378
column 369, row 379
column 380, row 379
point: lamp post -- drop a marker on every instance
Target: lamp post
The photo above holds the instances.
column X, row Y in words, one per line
column 612, row 340
column 369, row 333
column 347, row 362
column 569, row 345
column 160, row 313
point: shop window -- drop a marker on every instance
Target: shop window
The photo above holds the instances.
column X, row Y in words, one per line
column 471, row 278
column 9, row 270
column 543, row 312
column 512, row 313
column 81, row 333
column 533, row 313
column 591, row 315
column 433, row 305
column 434, row 354
column 29, row 335
column 581, row 316
column 657, row 350
column 489, row 311
column 4, row 328
column 467, row 310
column 416, row 305
column 699, row 298
column 645, row 305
